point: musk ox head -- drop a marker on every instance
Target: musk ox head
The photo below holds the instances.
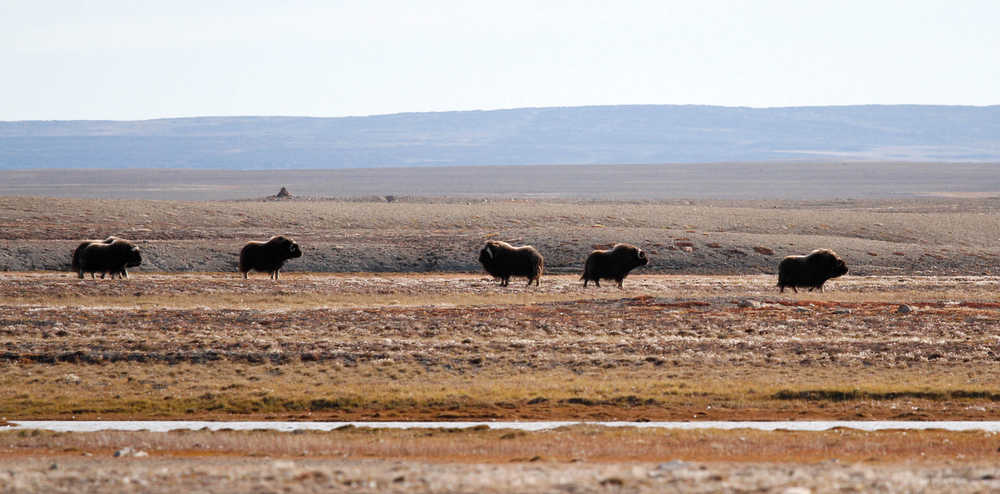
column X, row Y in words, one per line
column 488, row 253
column 287, row 246
column 134, row 257
column 640, row 258
column 127, row 249
column 828, row 262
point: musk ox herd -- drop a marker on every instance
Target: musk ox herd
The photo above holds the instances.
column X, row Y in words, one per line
column 113, row 256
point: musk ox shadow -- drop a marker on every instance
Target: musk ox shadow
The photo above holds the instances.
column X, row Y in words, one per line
column 111, row 256
column 502, row 260
column 612, row 264
column 810, row 271
column 268, row 257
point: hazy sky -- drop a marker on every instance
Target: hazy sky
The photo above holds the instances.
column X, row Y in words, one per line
column 137, row 59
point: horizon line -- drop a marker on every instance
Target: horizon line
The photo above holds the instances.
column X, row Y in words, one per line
column 497, row 110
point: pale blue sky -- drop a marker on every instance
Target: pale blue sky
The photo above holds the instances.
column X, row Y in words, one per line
column 149, row 59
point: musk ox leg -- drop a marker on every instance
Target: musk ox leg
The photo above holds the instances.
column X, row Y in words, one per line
column 585, row 280
column 79, row 274
column 244, row 273
column 504, row 281
column 620, row 281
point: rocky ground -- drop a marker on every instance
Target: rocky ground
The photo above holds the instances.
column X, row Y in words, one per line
column 65, row 475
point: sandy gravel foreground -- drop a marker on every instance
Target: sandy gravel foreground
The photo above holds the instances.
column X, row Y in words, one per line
column 153, row 475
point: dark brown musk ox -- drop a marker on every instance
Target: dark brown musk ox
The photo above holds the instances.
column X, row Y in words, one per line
column 612, row 264
column 502, row 260
column 268, row 257
column 123, row 274
column 810, row 271
column 112, row 256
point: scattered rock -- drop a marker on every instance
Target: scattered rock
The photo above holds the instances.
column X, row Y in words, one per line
column 749, row 304
column 801, row 309
column 672, row 465
column 130, row 451
column 71, row 379
column 904, row 309
column 764, row 250
column 283, row 194
column 842, row 311
column 796, row 490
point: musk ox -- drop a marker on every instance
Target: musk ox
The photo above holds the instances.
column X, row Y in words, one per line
column 612, row 264
column 268, row 257
column 109, row 256
column 810, row 271
column 123, row 274
column 502, row 260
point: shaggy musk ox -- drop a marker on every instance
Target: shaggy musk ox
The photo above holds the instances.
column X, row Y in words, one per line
column 502, row 260
column 810, row 271
column 109, row 256
column 612, row 264
column 268, row 257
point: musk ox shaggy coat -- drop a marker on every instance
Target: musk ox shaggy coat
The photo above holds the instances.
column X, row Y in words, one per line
column 502, row 260
column 810, row 271
column 268, row 257
column 612, row 264
column 112, row 255
column 121, row 274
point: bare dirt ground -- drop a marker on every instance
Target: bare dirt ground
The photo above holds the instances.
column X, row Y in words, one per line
column 386, row 318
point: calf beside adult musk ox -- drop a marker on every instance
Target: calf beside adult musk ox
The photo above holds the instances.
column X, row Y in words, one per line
column 112, row 256
column 612, row 264
column 810, row 271
column 268, row 257
column 502, row 260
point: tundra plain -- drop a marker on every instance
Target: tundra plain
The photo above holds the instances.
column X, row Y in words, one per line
column 387, row 317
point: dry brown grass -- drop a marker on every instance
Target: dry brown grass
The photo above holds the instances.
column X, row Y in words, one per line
column 457, row 346
column 575, row 443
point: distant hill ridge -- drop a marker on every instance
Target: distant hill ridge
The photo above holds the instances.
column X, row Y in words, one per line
column 636, row 134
